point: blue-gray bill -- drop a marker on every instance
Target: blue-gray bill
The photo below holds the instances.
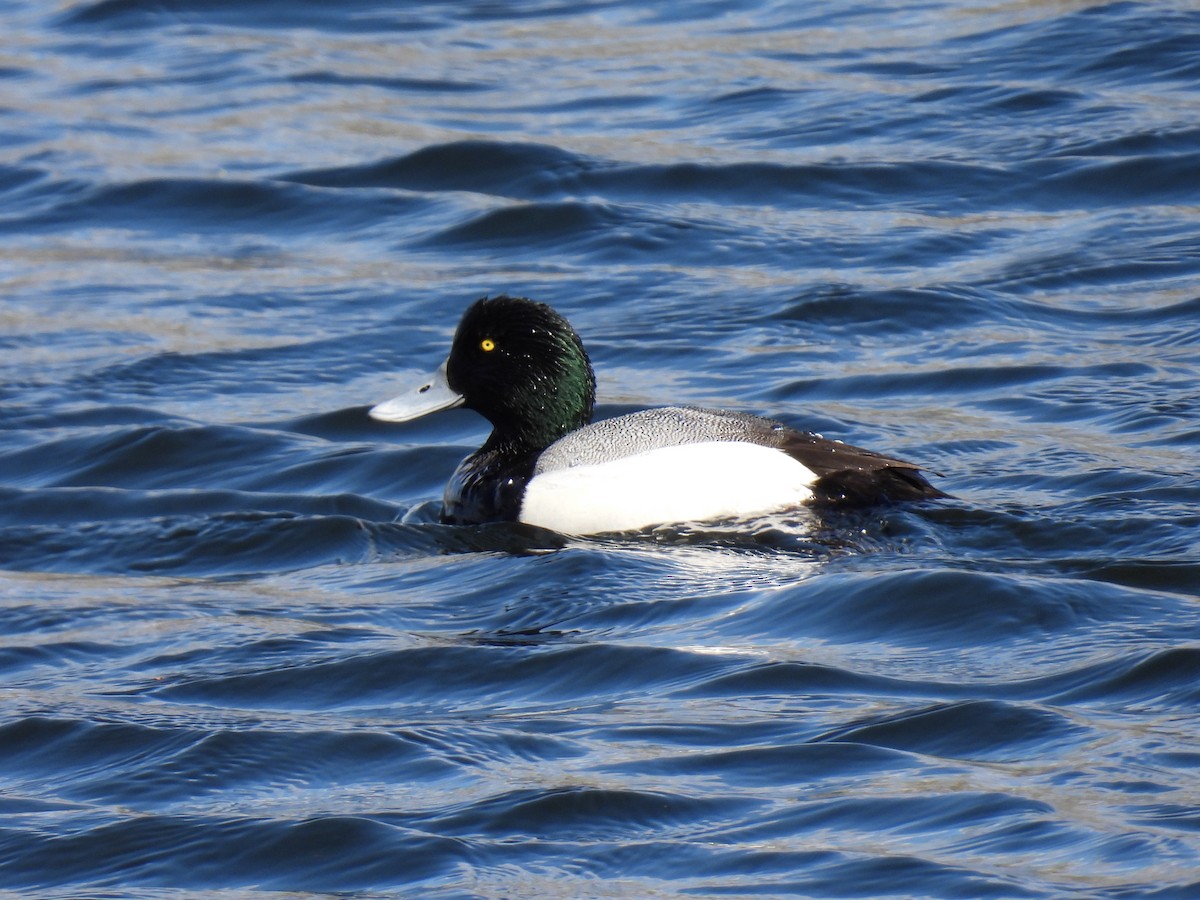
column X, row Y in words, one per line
column 432, row 395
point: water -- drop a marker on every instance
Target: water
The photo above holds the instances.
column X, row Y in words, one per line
column 241, row 657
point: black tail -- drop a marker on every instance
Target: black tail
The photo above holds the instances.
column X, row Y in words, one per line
column 886, row 484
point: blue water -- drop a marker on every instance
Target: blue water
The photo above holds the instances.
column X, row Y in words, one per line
column 241, row 658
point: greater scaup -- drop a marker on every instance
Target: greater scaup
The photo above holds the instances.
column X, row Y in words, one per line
column 522, row 367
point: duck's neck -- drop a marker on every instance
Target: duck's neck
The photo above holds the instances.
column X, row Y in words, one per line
column 545, row 411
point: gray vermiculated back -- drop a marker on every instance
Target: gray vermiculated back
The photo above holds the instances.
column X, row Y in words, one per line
column 650, row 429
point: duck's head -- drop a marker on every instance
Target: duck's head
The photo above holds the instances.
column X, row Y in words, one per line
column 517, row 363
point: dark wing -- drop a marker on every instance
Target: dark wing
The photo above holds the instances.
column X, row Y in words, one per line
column 851, row 475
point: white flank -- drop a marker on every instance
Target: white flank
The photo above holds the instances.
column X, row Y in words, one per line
column 686, row 483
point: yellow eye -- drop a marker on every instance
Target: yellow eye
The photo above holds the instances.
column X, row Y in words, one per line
column 487, row 345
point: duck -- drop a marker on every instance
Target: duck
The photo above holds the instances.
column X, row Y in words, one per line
column 519, row 364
